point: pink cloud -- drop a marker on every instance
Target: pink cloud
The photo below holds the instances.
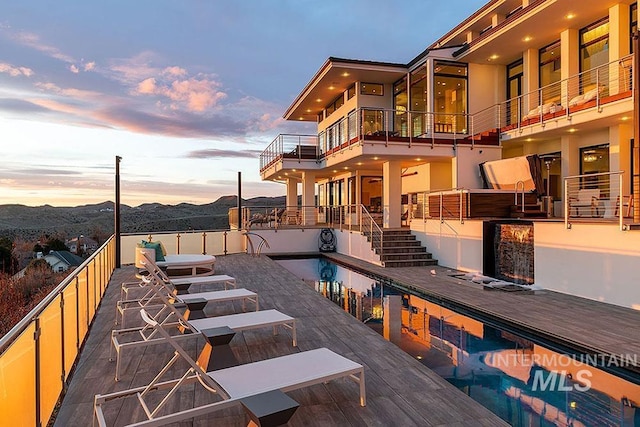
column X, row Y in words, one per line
column 175, row 71
column 33, row 41
column 90, row 66
column 74, row 69
column 15, row 71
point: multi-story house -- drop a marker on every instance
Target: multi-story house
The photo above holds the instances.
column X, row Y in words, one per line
column 526, row 105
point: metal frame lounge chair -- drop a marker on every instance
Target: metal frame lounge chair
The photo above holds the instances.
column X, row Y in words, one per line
column 236, row 383
column 144, row 261
column 122, row 339
column 156, row 287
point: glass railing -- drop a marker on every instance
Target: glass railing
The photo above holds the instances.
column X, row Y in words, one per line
column 206, row 242
column 38, row 354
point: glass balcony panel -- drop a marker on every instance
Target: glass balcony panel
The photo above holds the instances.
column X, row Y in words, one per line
column 83, row 295
column 17, row 377
column 50, row 358
column 70, row 322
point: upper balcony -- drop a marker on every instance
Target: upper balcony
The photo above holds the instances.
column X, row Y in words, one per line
column 597, row 97
column 374, row 127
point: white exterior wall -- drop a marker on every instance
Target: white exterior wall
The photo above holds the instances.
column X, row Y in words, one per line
column 486, row 85
column 350, row 243
column 595, row 261
column 354, row 244
column 466, row 173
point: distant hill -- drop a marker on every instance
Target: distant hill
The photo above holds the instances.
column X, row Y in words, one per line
column 31, row 222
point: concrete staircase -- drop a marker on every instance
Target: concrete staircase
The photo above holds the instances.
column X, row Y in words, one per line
column 400, row 248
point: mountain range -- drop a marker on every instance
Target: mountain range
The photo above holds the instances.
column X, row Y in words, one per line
column 28, row 223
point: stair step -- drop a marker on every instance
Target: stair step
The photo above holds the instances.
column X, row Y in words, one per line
column 405, row 257
column 410, row 263
column 402, row 249
column 400, row 244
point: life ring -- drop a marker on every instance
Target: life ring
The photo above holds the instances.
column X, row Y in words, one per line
column 326, row 240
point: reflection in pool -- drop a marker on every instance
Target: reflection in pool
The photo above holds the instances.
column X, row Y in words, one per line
column 524, row 383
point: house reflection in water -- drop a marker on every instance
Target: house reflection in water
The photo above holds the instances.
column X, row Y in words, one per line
column 521, row 381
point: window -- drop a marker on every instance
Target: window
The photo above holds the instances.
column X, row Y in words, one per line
column 515, row 77
column 550, row 72
column 351, row 92
column 450, row 97
column 400, row 101
column 320, row 116
column 418, row 99
column 595, row 160
column 594, row 52
column 371, row 89
column 337, row 103
column 60, row 269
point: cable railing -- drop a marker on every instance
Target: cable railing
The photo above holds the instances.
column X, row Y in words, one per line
column 442, row 205
column 291, row 147
column 596, row 196
column 37, row 356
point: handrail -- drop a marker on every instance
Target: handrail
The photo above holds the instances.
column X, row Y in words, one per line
column 263, row 242
column 10, row 336
column 515, row 193
column 375, row 232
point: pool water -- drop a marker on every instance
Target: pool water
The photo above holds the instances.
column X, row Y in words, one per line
column 524, row 383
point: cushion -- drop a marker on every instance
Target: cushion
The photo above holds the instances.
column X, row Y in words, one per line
column 154, row 245
column 164, row 250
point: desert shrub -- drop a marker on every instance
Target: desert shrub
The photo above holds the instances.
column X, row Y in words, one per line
column 19, row 296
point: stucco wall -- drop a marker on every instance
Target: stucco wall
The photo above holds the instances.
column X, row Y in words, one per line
column 596, row 261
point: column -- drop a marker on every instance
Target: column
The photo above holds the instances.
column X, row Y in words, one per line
column 569, row 52
column 391, row 194
column 570, row 165
column 308, row 198
column 620, row 156
column 292, row 193
column 619, row 47
column 531, row 69
column 392, row 320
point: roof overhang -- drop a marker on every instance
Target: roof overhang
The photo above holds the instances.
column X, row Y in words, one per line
column 334, row 77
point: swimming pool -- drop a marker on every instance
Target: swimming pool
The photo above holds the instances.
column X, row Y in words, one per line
column 520, row 380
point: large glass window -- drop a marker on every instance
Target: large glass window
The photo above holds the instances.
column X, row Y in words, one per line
column 450, row 97
column 594, row 52
column 371, row 193
column 515, row 75
column 400, row 106
column 595, row 160
column 550, row 72
column 418, row 100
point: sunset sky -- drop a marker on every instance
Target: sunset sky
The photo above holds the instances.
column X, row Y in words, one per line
column 187, row 92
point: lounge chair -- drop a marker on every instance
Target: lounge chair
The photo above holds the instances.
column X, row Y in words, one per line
column 233, row 384
column 145, row 261
column 158, row 288
column 195, row 264
column 123, row 339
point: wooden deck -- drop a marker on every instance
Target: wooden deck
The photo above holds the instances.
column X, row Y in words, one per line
column 563, row 320
column 400, row 390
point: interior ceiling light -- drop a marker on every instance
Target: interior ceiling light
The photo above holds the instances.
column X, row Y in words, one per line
column 318, row 100
column 493, row 57
column 527, row 39
column 375, row 158
column 572, row 130
column 359, row 163
column 331, row 87
column 345, row 74
column 570, row 15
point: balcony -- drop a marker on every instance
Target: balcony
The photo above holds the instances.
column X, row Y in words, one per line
column 378, row 126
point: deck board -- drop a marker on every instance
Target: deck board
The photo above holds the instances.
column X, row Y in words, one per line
column 400, row 390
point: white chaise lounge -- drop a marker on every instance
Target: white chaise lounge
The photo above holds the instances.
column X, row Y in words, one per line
column 233, row 384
